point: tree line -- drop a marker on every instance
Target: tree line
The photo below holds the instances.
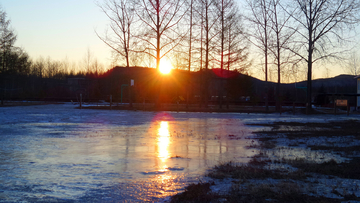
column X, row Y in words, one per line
column 206, row 34
column 192, row 34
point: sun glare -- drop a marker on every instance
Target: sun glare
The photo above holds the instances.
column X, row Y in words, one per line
column 165, row 67
column 163, row 141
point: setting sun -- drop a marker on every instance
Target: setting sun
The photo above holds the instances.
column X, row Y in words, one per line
column 165, row 67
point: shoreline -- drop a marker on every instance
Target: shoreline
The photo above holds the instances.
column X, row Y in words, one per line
column 215, row 109
column 211, row 108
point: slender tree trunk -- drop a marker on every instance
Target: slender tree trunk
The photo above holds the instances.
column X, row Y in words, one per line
column 309, row 61
column 201, row 65
column 158, row 52
column 228, row 65
column 266, row 78
column 278, row 105
column 222, row 54
column 158, row 41
column 190, row 47
column 207, row 40
column 308, row 92
column 278, row 62
column 127, row 42
column 266, row 57
column 126, row 52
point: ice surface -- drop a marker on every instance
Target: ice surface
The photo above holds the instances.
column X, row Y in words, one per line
column 60, row 153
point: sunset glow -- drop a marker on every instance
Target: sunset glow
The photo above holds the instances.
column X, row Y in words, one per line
column 165, row 67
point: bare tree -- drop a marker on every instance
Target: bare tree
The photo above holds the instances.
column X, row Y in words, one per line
column 121, row 14
column 37, row 68
column 230, row 34
column 236, row 53
column 7, row 39
column 322, row 25
column 160, row 18
column 228, row 24
column 191, row 15
column 97, row 68
column 200, row 12
column 259, row 20
column 223, row 6
column 52, row 68
column 88, row 57
column 352, row 65
column 280, row 20
column 207, row 14
column 209, row 21
column 191, row 25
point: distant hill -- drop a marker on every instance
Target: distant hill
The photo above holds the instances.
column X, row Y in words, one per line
column 337, row 81
column 337, row 84
column 342, row 84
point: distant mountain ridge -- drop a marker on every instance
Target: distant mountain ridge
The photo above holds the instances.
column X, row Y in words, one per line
column 335, row 84
column 339, row 81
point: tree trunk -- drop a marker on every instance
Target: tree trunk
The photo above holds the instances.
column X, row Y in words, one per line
column 278, row 105
column 309, row 62
column 222, row 54
column 207, row 41
column 190, row 41
column 158, row 53
column 266, row 79
column 308, row 92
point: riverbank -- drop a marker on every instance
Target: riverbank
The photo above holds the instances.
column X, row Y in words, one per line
column 183, row 108
column 211, row 108
column 186, row 108
column 149, row 107
column 24, row 103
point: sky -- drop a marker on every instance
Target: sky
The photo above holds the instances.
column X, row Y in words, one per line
column 66, row 30
column 58, row 29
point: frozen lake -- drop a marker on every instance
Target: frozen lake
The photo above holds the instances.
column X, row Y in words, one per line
column 59, row 153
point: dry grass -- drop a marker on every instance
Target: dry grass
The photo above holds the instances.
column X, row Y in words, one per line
column 295, row 130
column 350, row 169
column 284, row 191
column 253, row 170
column 288, row 186
column 196, row 193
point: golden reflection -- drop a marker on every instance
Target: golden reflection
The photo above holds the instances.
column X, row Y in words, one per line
column 163, row 141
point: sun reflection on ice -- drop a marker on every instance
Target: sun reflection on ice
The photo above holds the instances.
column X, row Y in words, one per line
column 163, row 141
